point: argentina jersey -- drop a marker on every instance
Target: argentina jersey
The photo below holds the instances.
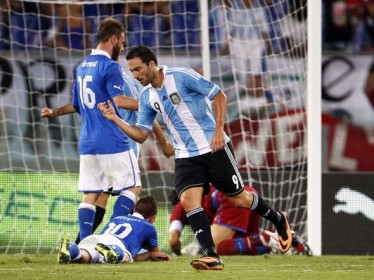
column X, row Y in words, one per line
column 97, row 79
column 182, row 102
column 134, row 231
column 131, row 88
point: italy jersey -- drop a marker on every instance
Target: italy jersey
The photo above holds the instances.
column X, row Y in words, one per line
column 131, row 88
column 98, row 79
column 134, row 231
column 183, row 103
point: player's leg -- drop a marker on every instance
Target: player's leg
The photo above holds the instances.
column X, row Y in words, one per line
column 256, row 203
column 126, row 201
column 190, row 179
column 91, row 182
column 123, row 170
column 99, row 213
column 227, row 179
column 86, row 214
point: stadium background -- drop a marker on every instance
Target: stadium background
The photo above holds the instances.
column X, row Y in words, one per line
column 39, row 158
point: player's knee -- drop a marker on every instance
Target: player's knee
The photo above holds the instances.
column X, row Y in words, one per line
column 136, row 190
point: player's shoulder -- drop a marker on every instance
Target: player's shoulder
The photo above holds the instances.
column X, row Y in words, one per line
column 184, row 72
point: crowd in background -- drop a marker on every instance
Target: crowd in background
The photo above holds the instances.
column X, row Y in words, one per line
column 31, row 25
column 348, row 25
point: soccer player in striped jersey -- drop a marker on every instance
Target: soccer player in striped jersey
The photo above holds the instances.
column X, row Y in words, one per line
column 120, row 240
column 203, row 151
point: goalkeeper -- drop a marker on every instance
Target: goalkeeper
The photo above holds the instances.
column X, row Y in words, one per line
column 235, row 230
column 120, row 240
column 203, row 151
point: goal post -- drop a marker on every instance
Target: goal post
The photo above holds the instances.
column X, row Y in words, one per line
column 314, row 100
column 255, row 51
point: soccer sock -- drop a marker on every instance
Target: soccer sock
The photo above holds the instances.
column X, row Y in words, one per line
column 75, row 252
column 200, row 226
column 99, row 215
column 261, row 207
column 124, row 204
column 241, row 246
column 86, row 217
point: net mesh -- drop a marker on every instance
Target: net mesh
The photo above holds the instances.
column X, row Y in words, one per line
column 257, row 57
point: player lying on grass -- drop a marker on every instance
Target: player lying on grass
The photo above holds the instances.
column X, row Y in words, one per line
column 235, row 231
column 120, row 240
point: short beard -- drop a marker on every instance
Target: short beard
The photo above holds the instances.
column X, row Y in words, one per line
column 115, row 53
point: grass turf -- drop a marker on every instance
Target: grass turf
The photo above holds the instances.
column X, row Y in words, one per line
column 236, row 267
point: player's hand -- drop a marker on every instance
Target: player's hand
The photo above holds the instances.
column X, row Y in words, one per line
column 46, row 112
column 168, row 149
column 159, row 256
column 107, row 110
column 218, row 141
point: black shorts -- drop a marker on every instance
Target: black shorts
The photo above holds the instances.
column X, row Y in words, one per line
column 219, row 169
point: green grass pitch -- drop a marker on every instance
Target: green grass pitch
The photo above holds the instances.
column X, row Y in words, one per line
column 236, row 267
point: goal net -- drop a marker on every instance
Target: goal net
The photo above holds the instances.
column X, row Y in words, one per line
column 254, row 50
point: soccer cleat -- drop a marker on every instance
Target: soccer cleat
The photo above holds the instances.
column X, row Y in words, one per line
column 63, row 255
column 110, row 256
column 284, row 234
column 207, row 263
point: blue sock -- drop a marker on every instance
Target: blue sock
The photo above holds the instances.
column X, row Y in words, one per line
column 124, row 204
column 86, row 217
column 75, row 252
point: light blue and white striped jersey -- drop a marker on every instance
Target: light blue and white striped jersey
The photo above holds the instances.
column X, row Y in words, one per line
column 98, row 79
column 134, row 231
column 132, row 88
column 183, row 103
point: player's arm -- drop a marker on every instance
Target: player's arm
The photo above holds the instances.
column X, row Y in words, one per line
column 220, row 107
column 125, row 102
column 175, row 242
column 177, row 221
column 152, row 255
column 133, row 132
column 63, row 110
column 166, row 146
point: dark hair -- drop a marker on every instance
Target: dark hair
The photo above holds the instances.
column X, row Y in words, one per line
column 109, row 27
column 146, row 206
column 371, row 69
column 144, row 53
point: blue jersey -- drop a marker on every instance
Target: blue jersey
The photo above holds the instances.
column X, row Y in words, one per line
column 132, row 88
column 98, row 79
column 183, row 103
column 134, row 231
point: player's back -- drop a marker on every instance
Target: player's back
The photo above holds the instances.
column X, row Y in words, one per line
column 98, row 79
column 134, row 231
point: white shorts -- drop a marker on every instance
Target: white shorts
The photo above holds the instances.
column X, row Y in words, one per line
column 90, row 242
column 98, row 173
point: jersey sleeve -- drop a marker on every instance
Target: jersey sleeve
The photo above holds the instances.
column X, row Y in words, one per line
column 114, row 79
column 146, row 114
column 197, row 83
